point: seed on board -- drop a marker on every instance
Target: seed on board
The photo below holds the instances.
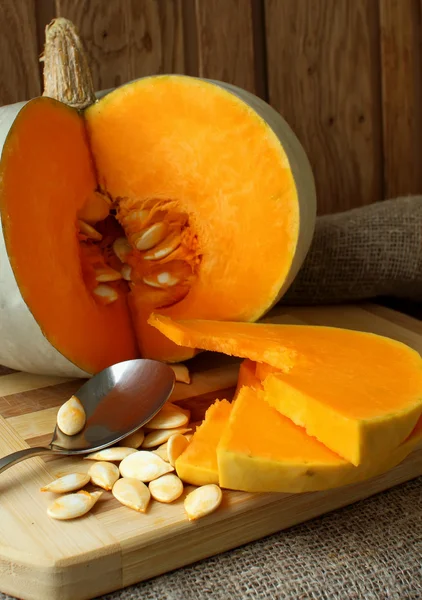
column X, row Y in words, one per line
column 104, row 474
column 106, row 293
column 105, row 274
column 144, row 466
column 67, row 483
column 169, row 417
column 134, row 440
column 167, row 246
column 71, row 417
column 132, row 493
column 161, row 451
column 126, row 272
column 121, row 248
column 159, row 436
column 161, row 280
column 202, row 501
column 176, row 444
column 166, row 488
column 181, row 372
column 72, row 506
column 89, row 231
column 114, row 454
column 151, row 236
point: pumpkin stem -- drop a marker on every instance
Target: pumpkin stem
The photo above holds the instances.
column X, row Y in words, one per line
column 67, row 76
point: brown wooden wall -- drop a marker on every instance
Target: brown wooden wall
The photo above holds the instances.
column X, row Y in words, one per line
column 345, row 74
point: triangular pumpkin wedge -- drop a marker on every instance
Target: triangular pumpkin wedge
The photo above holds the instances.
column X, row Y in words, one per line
column 198, row 463
column 358, row 393
column 262, row 451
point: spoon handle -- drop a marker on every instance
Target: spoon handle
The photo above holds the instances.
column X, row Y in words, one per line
column 12, row 459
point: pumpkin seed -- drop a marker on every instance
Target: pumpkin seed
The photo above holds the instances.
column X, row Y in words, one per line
column 188, row 436
column 107, row 274
column 176, row 444
column 181, row 372
column 126, row 272
column 167, row 246
column 104, row 474
column 138, row 216
column 121, row 248
column 72, row 506
column 159, row 436
column 151, row 236
column 169, row 417
column 67, row 483
column 202, row 501
column 89, row 231
column 144, row 466
column 114, row 454
column 71, row 417
column 106, row 293
column 161, row 451
column 161, row 280
column 166, row 488
column 134, row 440
column 132, row 493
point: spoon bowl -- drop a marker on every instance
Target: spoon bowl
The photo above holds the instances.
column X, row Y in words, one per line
column 117, row 401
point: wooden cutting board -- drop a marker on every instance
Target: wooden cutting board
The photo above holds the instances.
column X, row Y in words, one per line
column 113, row 546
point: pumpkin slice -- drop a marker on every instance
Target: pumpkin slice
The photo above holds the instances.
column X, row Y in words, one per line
column 198, row 463
column 47, row 181
column 358, row 393
column 262, row 451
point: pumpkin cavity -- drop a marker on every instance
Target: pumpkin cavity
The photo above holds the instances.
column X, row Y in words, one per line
column 147, row 247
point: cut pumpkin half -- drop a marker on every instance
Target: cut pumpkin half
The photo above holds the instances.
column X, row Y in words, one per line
column 170, row 193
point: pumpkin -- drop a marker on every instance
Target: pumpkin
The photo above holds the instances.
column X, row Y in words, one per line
column 170, row 193
column 260, row 450
column 197, row 464
column 358, row 393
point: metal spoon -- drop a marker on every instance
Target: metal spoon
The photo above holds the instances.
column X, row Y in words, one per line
column 117, row 402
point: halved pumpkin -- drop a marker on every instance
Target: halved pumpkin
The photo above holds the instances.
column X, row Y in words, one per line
column 170, row 193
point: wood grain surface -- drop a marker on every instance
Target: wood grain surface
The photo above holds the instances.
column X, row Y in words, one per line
column 113, row 546
column 346, row 74
column 401, row 39
column 226, row 43
column 129, row 38
column 323, row 77
column 19, row 69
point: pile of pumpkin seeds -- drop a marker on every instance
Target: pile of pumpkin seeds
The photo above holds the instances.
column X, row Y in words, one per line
column 140, row 468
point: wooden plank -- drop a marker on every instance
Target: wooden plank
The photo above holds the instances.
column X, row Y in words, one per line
column 19, row 70
column 323, row 77
column 129, row 38
column 400, row 26
column 15, row 383
column 226, row 43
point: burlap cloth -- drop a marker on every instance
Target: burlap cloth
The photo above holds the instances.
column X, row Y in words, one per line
column 364, row 253
column 372, row 549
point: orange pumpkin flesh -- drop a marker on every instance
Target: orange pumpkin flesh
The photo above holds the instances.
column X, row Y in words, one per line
column 172, row 153
column 47, row 177
column 261, row 450
column 197, row 464
column 360, row 394
column 199, row 160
